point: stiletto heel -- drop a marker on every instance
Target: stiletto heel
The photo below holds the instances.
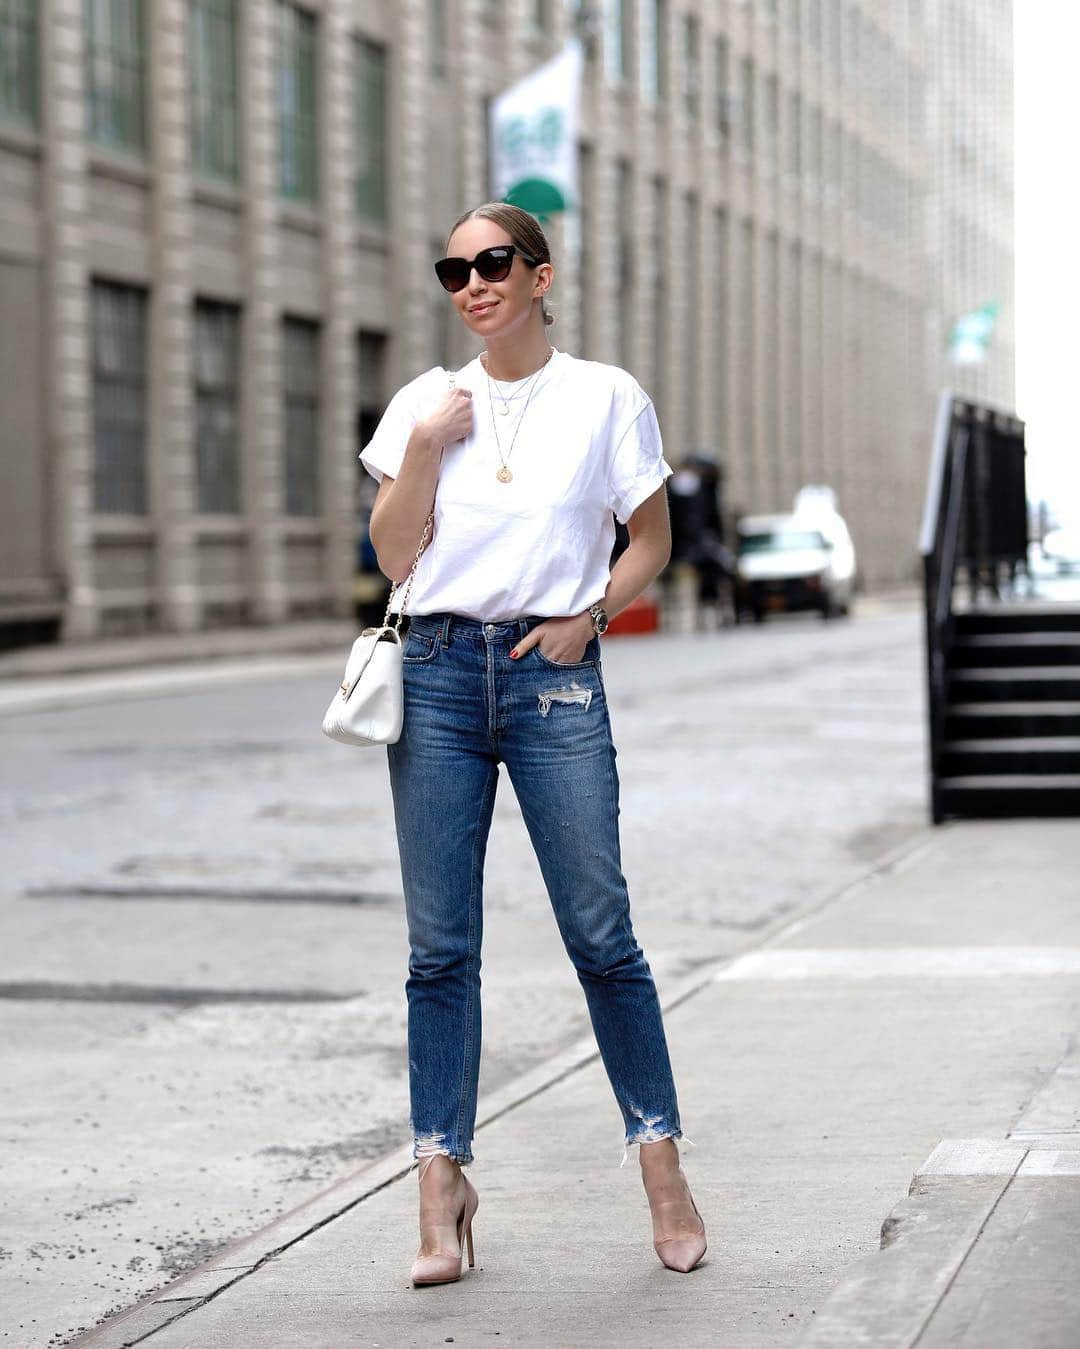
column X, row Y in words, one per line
column 685, row 1248
column 444, row 1266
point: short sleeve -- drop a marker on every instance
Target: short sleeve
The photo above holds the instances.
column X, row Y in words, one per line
column 383, row 453
column 638, row 466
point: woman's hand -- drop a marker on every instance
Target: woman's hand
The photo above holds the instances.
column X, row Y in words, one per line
column 452, row 419
column 562, row 640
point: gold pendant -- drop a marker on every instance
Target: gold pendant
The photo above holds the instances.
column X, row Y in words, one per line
column 504, row 474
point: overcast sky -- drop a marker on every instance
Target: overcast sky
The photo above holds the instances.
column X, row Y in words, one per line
column 1047, row 34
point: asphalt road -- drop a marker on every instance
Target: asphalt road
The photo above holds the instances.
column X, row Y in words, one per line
column 202, row 1019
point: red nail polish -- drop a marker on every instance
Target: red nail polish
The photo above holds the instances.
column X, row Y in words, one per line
column 513, row 655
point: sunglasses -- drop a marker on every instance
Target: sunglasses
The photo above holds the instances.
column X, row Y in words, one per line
column 493, row 264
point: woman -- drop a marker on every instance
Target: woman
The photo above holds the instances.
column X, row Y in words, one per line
column 531, row 452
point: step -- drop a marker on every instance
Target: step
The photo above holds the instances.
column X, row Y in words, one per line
column 1016, row 648
column 1011, row 795
column 1015, row 684
column 1012, row 755
column 1020, row 617
column 975, row 720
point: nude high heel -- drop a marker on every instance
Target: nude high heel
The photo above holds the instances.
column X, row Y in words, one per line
column 442, row 1265
column 686, row 1250
column 684, row 1245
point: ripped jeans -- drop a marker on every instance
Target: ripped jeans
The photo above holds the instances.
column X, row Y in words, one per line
column 468, row 708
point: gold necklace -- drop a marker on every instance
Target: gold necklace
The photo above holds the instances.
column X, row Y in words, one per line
column 502, row 473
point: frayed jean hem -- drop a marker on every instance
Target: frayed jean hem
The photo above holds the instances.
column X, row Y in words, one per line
column 434, row 1145
column 653, row 1135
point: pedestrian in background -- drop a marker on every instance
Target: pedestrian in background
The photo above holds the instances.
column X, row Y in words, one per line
column 524, row 462
column 697, row 537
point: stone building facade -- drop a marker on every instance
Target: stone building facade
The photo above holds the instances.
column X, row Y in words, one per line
column 217, row 223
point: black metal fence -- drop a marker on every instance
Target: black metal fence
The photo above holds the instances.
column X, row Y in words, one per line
column 975, row 522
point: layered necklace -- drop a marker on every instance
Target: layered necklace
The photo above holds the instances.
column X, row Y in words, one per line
column 523, row 387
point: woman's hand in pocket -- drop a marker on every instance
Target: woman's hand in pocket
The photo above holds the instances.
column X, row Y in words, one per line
column 562, row 640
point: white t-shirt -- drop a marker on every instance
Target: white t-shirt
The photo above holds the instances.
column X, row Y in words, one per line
column 588, row 446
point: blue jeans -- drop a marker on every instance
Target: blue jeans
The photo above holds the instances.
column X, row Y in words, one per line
column 468, row 708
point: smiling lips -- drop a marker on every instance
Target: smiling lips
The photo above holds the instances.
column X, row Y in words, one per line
column 482, row 308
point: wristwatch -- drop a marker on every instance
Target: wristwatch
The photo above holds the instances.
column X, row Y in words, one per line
column 599, row 619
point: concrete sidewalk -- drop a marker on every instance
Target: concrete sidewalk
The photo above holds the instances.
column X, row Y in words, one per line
column 919, row 1024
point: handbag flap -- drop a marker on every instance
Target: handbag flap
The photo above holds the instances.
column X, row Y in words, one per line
column 362, row 651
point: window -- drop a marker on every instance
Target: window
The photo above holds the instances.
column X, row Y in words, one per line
column 216, row 369
column 770, row 374
column 771, row 119
column 814, row 157
column 587, row 187
column 691, row 67
column 722, row 64
column 19, row 60
column 297, row 125
column 794, row 142
column 836, row 37
column 691, row 260
column 116, row 73
column 832, row 155
column 214, row 103
column 370, row 131
column 370, row 403
column 617, row 39
column 118, row 334
column 793, row 395
column 443, row 320
column 658, row 263
column 746, row 104
column 438, row 38
column 743, row 389
column 722, row 321
column 624, row 222
column 661, row 49
column 653, row 45
column 812, row 23
column 300, row 370
column 370, row 384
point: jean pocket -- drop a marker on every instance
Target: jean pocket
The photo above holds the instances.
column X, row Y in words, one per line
column 592, row 655
column 420, row 647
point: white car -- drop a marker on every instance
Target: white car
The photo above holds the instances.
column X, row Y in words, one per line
column 804, row 560
column 1061, row 548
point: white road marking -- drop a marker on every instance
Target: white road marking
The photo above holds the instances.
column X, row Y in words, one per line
column 905, row 962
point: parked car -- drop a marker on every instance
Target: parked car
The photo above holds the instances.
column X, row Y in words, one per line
column 789, row 562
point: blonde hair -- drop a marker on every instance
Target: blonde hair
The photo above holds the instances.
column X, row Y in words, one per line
column 523, row 229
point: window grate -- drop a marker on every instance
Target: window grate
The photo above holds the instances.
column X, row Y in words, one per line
column 213, row 88
column 116, row 73
column 19, row 60
column 300, row 382
column 297, row 118
column 118, row 326
column 370, row 130
column 216, row 366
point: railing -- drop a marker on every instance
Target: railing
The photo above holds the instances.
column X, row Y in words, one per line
column 976, row 518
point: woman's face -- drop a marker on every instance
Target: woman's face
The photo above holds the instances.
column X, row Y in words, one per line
column 495, row 308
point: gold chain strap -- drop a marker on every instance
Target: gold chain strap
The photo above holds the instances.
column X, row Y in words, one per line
column 429, row 525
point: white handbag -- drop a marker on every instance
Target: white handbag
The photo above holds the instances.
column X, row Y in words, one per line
column 368, row 706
